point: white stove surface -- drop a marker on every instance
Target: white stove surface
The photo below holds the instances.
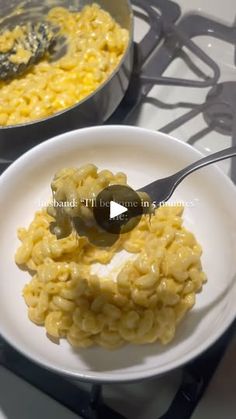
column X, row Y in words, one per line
column 144, row 400
column 147, row 115
column 19, row 400
column 219, row 400
column 150, row 399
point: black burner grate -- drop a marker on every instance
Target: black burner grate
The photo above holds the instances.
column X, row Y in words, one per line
column 218, row 109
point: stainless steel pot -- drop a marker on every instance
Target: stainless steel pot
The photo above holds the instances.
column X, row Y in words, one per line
column 95, row 109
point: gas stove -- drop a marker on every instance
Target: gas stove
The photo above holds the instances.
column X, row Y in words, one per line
column 183, row 84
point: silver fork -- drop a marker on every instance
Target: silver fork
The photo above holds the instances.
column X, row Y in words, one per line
column 162, row 189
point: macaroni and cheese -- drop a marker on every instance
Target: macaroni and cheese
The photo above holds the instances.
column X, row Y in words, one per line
column 151, row 294
column 95, row 45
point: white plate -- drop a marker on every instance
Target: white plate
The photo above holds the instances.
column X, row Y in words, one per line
column 145, row 156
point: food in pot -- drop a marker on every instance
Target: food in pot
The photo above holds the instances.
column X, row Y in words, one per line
column 151, row 293
column 94, row 45
column 22, row 47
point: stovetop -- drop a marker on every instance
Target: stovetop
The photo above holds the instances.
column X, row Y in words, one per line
column 187, row 83
column 184, row 84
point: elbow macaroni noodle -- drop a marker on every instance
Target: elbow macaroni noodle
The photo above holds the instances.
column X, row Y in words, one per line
column 150, row 295
column 95, row 46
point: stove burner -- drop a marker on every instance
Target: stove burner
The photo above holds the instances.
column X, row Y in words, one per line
column 220, row 107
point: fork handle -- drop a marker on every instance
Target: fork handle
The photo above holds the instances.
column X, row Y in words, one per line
column 213, row 158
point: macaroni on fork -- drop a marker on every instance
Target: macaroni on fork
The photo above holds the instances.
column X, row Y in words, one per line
column 151, row 294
